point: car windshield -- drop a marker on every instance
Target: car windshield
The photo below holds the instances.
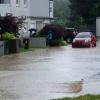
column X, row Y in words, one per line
column 83, row 35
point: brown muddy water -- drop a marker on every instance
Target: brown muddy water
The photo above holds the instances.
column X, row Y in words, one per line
column 48, row 73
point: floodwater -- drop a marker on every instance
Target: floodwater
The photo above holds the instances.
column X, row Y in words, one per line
column 44, row 74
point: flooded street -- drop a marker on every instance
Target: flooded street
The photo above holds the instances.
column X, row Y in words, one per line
column 44, row 74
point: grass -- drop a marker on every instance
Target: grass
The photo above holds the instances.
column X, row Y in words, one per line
column 30, row 49
column 25, row 50
column 85, row 97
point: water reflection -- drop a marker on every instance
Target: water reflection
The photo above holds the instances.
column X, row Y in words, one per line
column 71, row 87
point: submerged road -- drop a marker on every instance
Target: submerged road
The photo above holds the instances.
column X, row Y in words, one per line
column 48, row 73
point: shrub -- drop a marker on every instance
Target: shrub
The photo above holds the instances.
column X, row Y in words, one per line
column 56, row 29
column 58, row 42
column 8, row 36
column 9, row 24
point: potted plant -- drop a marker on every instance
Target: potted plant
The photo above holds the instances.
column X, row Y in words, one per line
column 11, row 43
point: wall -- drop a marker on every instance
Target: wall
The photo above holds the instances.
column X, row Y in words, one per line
column 5, row 8
column 38, row 42
column 1, row 48
column 35, row 42
column 39, row 8
column 20, row 10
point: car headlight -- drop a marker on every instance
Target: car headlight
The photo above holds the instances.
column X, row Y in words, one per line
column 86, row 40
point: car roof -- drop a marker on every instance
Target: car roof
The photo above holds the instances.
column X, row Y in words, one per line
column 85, row 33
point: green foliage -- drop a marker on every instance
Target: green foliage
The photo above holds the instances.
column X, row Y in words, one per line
column 75, row 21
column 88, row 10
column 9, row 23
column 58, row 42
column 56, row 29
column 61, row 21
column 61, row 11
column 8, row 36
column 86, row 97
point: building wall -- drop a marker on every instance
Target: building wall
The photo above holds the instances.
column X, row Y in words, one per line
column 34, row 8
column 39, row 8
column 5, row 8
column 36, row 13
column 21, row 9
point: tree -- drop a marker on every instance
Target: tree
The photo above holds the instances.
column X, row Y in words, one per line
column 9, row 24
column 54, row 34
column 61, row 11
column 57, row 31
column 87, row 10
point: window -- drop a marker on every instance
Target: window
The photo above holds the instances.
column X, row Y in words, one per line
column 17, row 2
column 7, row 1
column 51, row 8
column 1, row 1
column 4, row 1
column 25, row 3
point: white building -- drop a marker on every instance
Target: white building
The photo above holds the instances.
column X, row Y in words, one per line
column 35, row 13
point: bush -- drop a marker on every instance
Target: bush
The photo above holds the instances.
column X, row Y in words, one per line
column 56, row 29
column 8, row 36
column 58, row 42
column 62, row 43
column 9, row 23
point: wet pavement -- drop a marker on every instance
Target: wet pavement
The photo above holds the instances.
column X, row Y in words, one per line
column 48, row 73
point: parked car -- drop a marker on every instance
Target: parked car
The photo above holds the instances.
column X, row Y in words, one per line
column 70, row 34
column 85, row 39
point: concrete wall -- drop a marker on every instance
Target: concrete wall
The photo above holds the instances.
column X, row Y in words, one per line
column 39, row 8
column 38, row 42
column 1, row 48
column 35, row 42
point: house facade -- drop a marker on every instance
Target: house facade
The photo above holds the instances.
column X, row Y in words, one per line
column 35, row 13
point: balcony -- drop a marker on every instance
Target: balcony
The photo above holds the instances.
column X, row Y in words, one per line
column 4, row 9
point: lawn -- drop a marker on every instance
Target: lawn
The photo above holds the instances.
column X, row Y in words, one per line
column 86, row 97
column 25, row 50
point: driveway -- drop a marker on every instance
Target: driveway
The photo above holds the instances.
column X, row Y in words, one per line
column 43, row 74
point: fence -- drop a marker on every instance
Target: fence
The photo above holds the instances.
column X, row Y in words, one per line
column 91, row 28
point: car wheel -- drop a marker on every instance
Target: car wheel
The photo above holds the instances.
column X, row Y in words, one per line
column 73, row 46
column 90, row 45
column 95, row 44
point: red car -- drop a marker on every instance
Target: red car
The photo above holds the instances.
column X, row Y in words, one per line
column 84, row 39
